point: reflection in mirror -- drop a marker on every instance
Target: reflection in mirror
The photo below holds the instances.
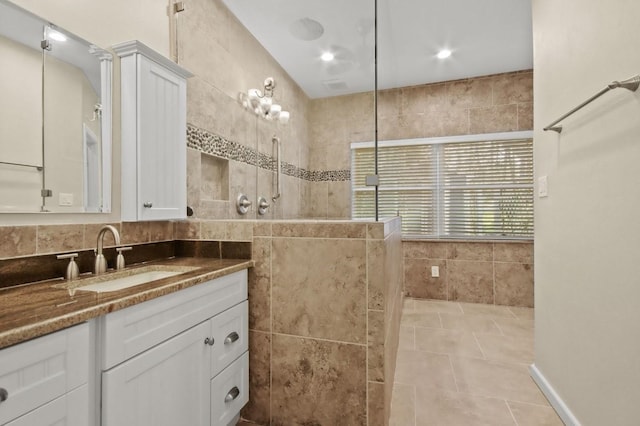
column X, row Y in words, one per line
column 55, row 106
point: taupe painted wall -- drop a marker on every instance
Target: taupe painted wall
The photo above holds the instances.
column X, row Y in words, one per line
column 587, row 315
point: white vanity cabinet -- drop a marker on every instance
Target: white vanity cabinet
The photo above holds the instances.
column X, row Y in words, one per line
column 181, row 359
column 46, row 380
column 154, row 110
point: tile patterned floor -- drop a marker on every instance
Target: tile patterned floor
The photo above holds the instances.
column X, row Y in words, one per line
column 466, row 364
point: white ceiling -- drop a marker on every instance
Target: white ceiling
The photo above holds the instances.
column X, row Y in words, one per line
column 486, row 37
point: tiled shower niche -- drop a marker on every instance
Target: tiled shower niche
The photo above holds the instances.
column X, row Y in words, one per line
column 214, row 178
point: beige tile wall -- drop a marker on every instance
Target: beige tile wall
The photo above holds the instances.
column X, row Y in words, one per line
column 324, row 303
column 496, row 103
column 16, row 241
column 227, row 60
column 498, row 273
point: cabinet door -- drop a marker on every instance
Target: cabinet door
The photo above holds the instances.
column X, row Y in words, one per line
column 165, row 386
column 162, row 148
column 71, row 409
column 40, row 370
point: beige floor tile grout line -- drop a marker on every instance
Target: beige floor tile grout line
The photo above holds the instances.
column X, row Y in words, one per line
column 413, row 341
column 530, row 403
column 453, row 373
column 415, row 405
column 511, row 412
column 484, row 356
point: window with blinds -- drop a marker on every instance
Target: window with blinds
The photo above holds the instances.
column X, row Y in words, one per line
column 459, row 189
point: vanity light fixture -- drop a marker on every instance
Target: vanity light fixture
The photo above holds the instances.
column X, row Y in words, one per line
column 327, row 56
column 443, row 54
column 261, row 102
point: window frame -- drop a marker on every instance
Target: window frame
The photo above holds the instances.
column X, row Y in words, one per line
column 439, row 186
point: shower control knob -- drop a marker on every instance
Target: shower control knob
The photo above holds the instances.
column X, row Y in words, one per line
column 263, row 206
column 243, row 204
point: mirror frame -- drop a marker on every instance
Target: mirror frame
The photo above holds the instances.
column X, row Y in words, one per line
column 106, row 89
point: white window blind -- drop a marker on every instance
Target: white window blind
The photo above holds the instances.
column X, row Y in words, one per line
column 461, row 189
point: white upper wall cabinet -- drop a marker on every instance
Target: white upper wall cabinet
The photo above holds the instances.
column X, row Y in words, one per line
column 154, row 129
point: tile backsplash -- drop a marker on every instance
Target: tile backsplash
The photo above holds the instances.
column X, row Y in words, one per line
column 18, row 241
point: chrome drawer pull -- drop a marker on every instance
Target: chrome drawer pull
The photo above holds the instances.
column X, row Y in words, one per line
column 4, row 395
column 209, row 341
column 233, row 394
column 232, row 337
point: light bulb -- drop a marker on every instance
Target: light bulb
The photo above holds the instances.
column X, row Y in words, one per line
column 284, row 117
column 265, row 104
column 274, row 111
column 254, row 97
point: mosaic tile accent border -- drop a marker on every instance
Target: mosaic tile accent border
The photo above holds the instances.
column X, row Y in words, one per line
column 209, row 143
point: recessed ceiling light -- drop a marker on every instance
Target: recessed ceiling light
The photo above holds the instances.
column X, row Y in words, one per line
column 55, row 35
column 327, row 56
column 444, row 53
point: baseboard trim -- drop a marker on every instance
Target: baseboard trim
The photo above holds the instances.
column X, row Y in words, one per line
column 556, row 402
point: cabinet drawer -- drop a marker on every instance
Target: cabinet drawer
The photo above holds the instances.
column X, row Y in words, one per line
column 230, row 330
column 230, row 391
column 71, row 409
column 131, row 331
column 43, row 369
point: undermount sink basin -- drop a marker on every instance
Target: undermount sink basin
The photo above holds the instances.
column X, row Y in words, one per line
column 124, row 279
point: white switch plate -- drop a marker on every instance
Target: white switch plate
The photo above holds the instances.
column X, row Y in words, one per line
column 543, row 189
column 435, row 271
column 65, row 199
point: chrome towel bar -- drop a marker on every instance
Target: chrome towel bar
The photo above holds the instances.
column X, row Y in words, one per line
column 629, row 84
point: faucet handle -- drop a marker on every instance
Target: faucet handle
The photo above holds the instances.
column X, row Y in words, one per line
column 120, row 257
column 72, row 268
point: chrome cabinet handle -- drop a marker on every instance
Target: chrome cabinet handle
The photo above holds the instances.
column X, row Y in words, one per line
column 147, row 204
column 4, row 395
column 232, row 337
column 233, row 394
column 209, row 341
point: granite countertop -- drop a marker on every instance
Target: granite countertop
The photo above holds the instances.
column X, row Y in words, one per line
column 36, row 309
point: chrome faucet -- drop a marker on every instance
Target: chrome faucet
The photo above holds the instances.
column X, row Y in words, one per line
column 101, row 261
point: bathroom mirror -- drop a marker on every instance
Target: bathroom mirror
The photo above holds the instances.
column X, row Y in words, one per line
column 55, row 110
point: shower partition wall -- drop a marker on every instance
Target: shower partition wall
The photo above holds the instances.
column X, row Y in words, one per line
column 323, row 340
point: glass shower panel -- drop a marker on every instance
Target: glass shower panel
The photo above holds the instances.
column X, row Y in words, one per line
column 321, row 65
